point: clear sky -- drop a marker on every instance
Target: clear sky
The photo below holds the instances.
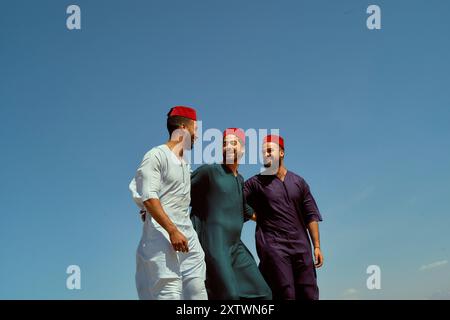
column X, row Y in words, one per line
column 365, row 115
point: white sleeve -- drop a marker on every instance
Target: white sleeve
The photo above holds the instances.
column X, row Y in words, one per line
column 149, row 175
column 136, row 196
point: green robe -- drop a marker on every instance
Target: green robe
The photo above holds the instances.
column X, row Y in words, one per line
column 218, row 214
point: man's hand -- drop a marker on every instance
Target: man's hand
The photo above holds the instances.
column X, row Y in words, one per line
column 318, row 257
column 178, row 241
column 313, row 229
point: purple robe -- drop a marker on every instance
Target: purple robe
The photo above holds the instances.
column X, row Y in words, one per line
column 284, row 209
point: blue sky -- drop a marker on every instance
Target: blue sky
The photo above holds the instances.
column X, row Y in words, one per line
column 364, row 113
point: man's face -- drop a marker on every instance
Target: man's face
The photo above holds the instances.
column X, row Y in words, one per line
column 191, row 135
column 272, row 153
column 232, row 149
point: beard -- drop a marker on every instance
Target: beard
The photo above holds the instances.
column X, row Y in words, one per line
column 267, row 164
column 188, row 142
column 187, row 145
column 272, row 163
column 230, row 157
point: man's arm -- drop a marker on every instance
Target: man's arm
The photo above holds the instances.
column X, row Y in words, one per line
column 148, row 181
column 249, row 202
column 177, row 239
column 249, row 213
column 312, row 216
column 313, row 229
column 199, row 186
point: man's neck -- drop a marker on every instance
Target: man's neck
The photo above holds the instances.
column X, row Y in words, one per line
column 176, row 147
column 282, row 171
column 233, row 167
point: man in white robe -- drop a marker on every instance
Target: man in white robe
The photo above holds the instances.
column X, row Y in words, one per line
column 170, row 262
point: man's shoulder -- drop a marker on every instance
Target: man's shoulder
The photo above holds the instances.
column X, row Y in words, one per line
column 257, row 178
column 205, row 167
column 296, row 176
column 157, row 151
column 204, row 170
column 301, row 182
column 155, row 156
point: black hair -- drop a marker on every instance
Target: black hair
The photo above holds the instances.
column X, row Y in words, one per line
column 175, row 122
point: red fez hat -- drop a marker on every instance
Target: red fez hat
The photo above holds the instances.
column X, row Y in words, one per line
column 274, row 138
column 235, row 131
column 182, row 111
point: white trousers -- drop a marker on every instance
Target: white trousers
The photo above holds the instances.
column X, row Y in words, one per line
column 176, row 289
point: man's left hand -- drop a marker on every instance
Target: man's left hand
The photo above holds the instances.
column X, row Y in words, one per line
column 318, row 258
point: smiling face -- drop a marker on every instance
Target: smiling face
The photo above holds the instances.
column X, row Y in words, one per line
column 272, row 155
column 232, row 149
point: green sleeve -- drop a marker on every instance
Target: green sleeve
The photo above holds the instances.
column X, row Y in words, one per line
column 199, row 185
column 248, row 210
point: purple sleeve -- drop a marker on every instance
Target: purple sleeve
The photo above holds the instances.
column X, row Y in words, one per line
column 308, row 205
column 249, row 192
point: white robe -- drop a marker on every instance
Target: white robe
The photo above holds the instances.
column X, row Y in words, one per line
column 163, row 176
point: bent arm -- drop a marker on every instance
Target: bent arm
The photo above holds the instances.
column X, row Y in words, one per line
column 157, row 212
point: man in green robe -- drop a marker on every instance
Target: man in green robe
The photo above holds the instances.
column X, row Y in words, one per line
column 218, row 214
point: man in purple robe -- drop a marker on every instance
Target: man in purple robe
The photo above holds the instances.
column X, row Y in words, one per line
column 287, row 222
